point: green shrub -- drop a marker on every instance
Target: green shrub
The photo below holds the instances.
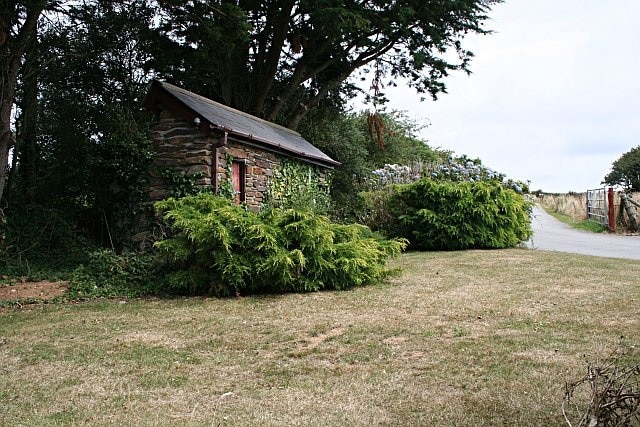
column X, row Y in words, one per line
column 435, row 215
column 222, row 249
column 38, row 243
column 347, row 138
column 108, row 274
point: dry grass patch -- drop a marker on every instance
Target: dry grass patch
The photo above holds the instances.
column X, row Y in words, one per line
column 478, row 338
column 572, row 204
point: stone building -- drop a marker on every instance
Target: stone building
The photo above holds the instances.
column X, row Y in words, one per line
column 231, row 151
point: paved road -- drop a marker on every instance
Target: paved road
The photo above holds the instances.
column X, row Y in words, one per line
column 549, row 234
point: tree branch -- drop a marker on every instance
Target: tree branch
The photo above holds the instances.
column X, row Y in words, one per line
column 14, row 60
column 270, row 57
column 300, row 75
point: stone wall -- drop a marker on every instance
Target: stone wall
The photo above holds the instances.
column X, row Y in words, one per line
column 259, row 165
column 181, row 146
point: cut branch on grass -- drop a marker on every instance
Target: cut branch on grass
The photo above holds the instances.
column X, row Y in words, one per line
column 612, row 391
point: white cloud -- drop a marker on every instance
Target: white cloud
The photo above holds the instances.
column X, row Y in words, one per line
column 553, row 97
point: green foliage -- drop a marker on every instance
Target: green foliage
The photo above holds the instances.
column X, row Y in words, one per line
column 346, row 139
column 225, row 186
column 108, row 274
column 117, row 173
column 87, row 69
column 279, row 60
column 91, row 147
column 298, row 186
column 590, row 225
column 436, row 215
column 626, row 171
column 181, row 184
column 376, row 211
column 99, row 184
column 38, row 243
column 587, row 225
column 222, row 249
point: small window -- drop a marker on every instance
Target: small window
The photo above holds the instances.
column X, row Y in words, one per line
column 238, row 177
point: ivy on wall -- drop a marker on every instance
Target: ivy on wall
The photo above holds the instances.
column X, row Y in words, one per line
column 179, row 183
column 225, row 185
column 292, row 185
column 298, row 185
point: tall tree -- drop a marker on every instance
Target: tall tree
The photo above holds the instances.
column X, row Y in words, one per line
column 17, row 23
column 93, row 132
column 279, row 58
column 625, row 171
column 26, row 148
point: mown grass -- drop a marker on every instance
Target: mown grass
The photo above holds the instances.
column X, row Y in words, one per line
column 474, row 338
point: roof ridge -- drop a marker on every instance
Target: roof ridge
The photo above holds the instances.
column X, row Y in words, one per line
column 226, row 107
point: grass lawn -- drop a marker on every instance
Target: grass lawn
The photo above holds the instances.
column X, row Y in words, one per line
column 474, row 338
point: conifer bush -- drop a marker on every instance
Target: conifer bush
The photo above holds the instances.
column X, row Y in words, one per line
column 442, row 215
column 221, row 248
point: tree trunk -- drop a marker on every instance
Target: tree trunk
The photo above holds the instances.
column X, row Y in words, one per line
column 4, row 161
column 633, row 220
column 302, row 110
column 300, row 75
column 269, row 60
column 6, row 141
column 9, row 66
column 26, row 138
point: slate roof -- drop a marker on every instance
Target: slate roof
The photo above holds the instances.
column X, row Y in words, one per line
column 242, row 125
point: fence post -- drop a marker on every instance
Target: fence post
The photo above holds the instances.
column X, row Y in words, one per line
column 630, row 212
column 587, row 207
column 612, row 216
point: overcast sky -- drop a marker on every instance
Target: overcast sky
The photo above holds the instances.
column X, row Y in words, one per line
column 554, row 96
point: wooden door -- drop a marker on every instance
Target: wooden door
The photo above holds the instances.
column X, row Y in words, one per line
column 237, row 180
